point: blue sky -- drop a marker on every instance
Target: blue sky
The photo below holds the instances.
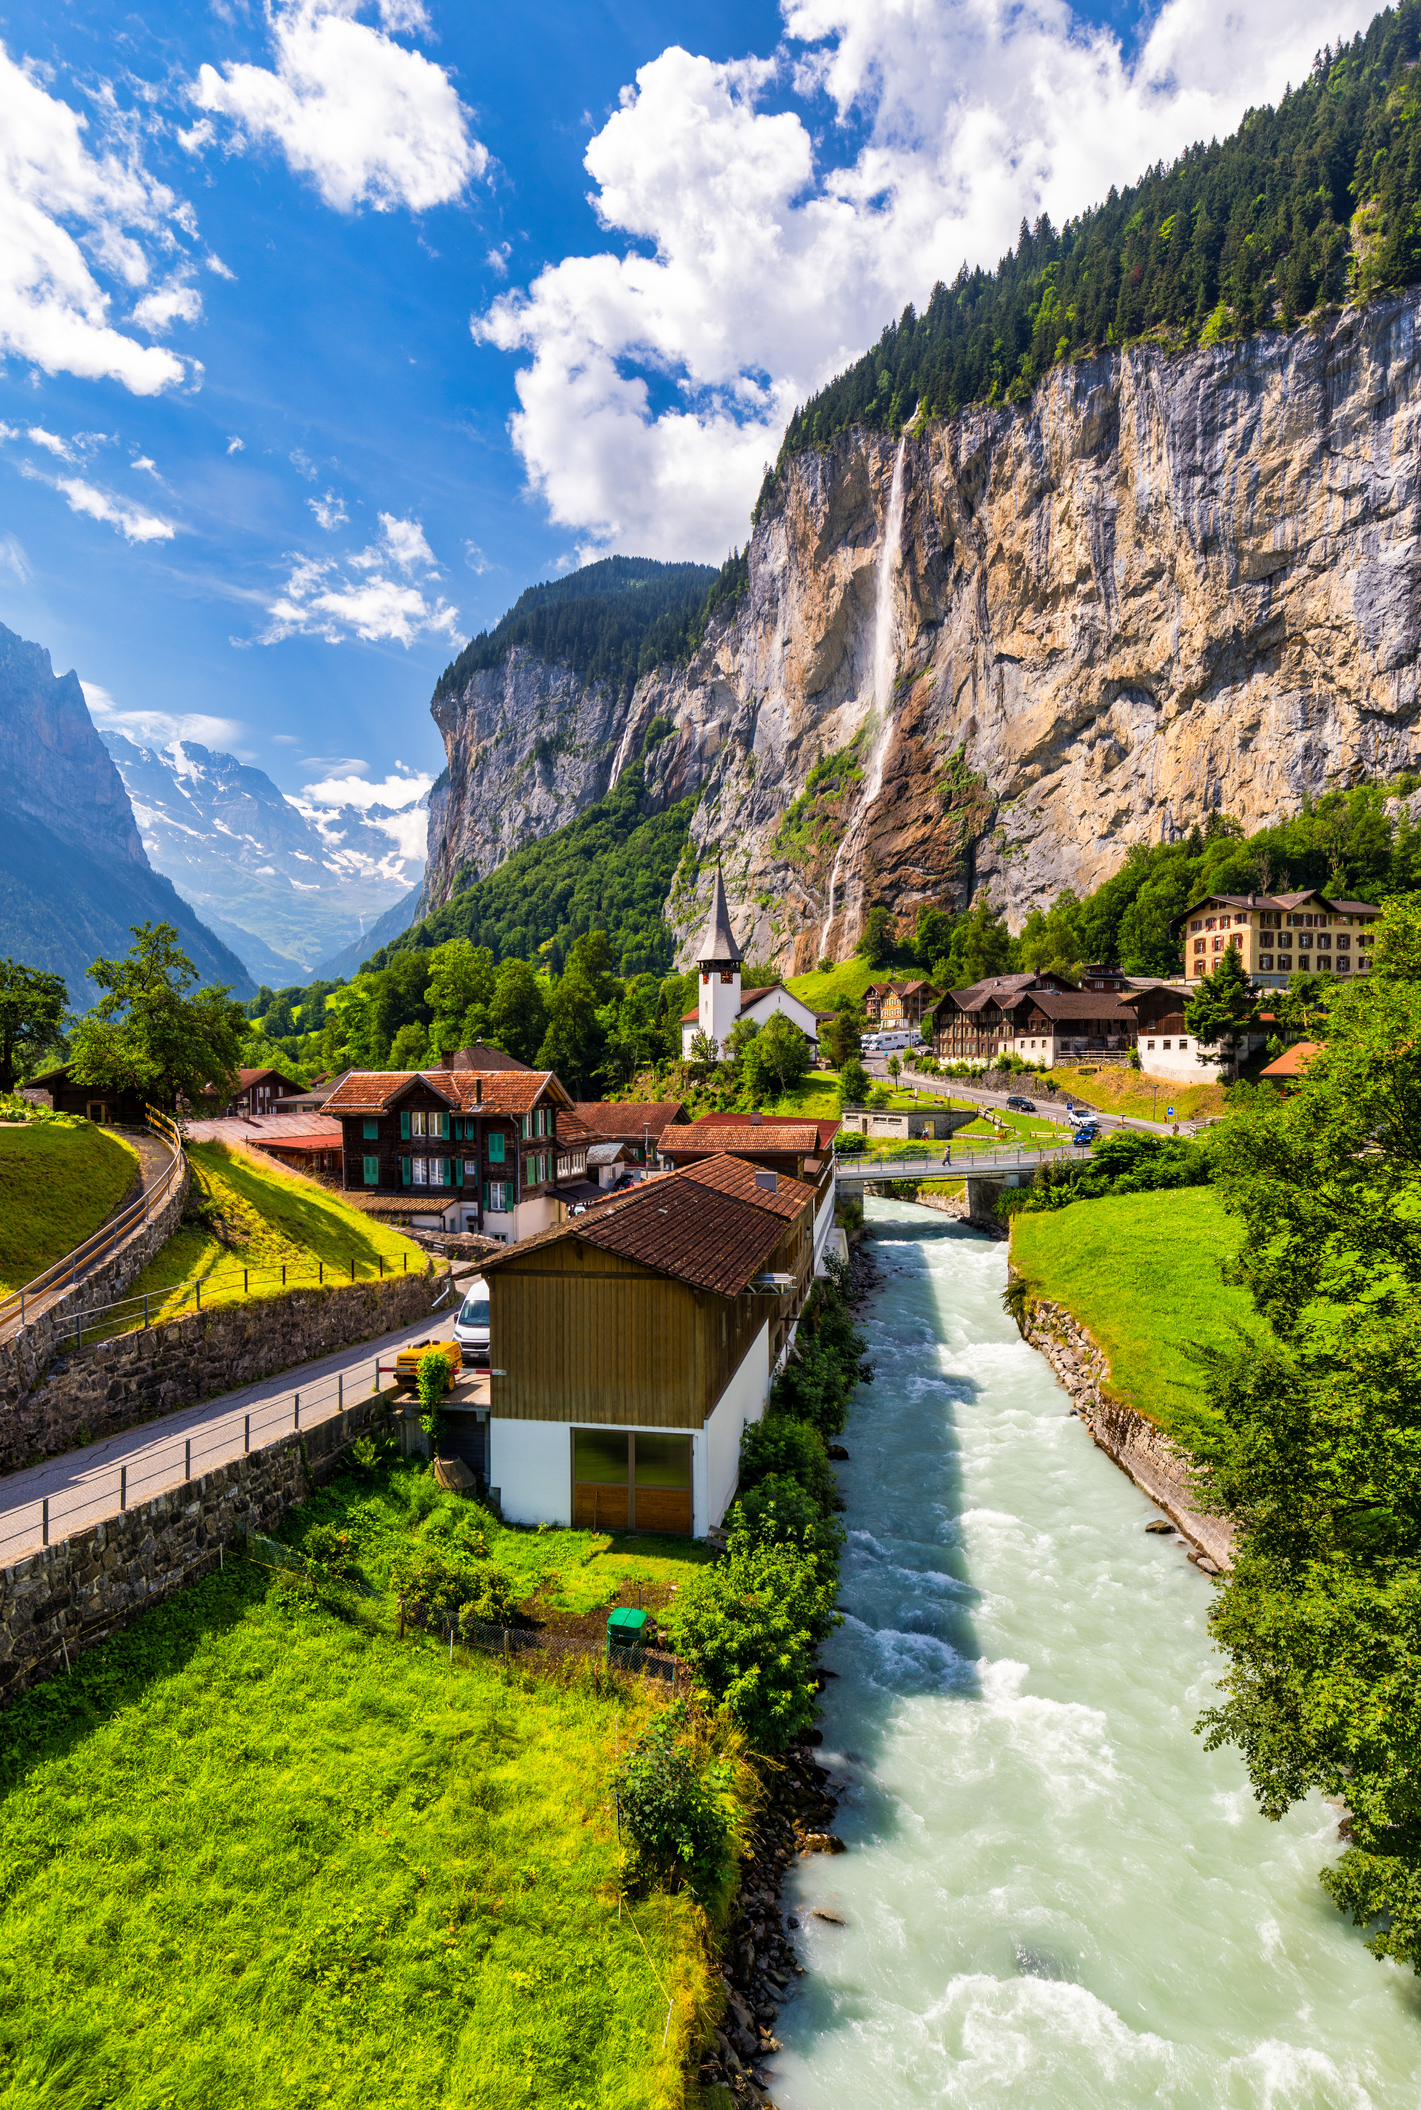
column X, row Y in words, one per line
column 328, row 327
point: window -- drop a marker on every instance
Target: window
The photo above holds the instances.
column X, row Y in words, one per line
column 1149, row 1043
column 1304, row 939
column 1344, row 943
column 1208, row 923
column 1166, row 1043
column 1285, row 963
column 1265, row 961
column 421, row 1171
column 1218, row 944
column 599, row 1457
column 471, row 1168
column 497, row 1192
column 369, row 1129
column 417, row 1121
column 1196, row 925
column 372, row 1171
column 496, row 1143
column 1199, row 944
column 1344, row 965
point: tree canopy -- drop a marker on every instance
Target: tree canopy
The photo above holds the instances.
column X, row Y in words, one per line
column 32, row 1008
column 152, row 1032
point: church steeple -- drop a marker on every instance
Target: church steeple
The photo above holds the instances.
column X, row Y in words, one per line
column 718, row 947
column 718, row 958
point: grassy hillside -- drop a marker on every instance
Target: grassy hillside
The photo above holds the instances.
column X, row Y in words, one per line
column 850, row 978
column 58, row 1183
column 1114, row 1089
column 260, row 1218
column 261, row 1853
column 1143, row 1272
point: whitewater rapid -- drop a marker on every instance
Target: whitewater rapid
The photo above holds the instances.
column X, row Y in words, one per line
column 1053, row 1894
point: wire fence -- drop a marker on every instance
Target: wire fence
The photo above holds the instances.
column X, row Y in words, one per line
column 220, row 1287
column 105, row 1489
column 64, row 1274
column 955, row 1158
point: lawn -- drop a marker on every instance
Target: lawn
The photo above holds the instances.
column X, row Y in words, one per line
column 1116, row 1089
column 262, row 1854
column 1143, row 1272
column 58, row 1183
column 261, row 1219
column 850, row 978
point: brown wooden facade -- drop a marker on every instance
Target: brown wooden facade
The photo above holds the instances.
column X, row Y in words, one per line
column 472, row 1150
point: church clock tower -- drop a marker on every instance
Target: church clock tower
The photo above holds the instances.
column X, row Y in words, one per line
column 719, row 962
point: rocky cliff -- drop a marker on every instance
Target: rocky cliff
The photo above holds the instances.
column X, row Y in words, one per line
column 74, row 876
column 1168, row 584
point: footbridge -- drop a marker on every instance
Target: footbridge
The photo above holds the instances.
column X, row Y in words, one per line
column 984, row 1171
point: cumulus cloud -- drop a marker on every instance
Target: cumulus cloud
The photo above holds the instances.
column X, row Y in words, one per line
column 747, row 268
column 369, row 121
column 159, row 728
column 160, row 309
column 396, row 806
column 236, row 446
column 359, row 597
column 71, row 217
column 329, row 511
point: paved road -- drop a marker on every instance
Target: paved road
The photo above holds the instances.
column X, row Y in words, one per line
column 85, row 1486
column 958, row 1088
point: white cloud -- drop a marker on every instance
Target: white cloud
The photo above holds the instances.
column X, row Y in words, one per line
column 13, row 558
column 68, row 213
column 131, row 521
column 393, row 792
column 159, row 310
column 476, row 560
column 497, row 258
column 303, row 464
column 145, row 461
column 329, row 511
column 160, row 728
column 748, row 270
column 236, row 446
column 320, row 599
column 50, row 441
column 369, row 121
column 216, row 266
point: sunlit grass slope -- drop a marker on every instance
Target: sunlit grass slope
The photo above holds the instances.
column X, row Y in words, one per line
column 1144, row 1273
column 57, row 1185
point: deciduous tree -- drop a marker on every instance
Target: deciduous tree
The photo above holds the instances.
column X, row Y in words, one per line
column 152, row 1032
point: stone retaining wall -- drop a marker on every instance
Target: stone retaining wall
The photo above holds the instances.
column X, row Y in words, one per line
column 117, row 1384
column 64, row 1598
column 1154, row 1463
column 24, row 1356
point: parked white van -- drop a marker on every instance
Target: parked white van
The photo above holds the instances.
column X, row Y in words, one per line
column 471, row 1326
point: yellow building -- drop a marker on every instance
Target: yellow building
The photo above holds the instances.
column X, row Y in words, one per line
column 1278, row 935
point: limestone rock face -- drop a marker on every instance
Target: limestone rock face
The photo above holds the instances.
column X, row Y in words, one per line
column 1168, row 584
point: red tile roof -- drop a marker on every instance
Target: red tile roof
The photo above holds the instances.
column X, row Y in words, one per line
column 470, row 1091
column 1293, row 1062
column 734, row 1176
column 776, row 1138
column 677, row 1227
column 629, row 1119
column 827, row 1129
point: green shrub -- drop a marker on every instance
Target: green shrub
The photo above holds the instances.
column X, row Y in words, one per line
column 450, row 1592
column 675, row 1817
column 781, row 1445
column 435, row 1375
column 749, row 1627
column 778, row 1512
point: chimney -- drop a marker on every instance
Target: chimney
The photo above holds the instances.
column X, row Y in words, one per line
column 478, row 1091
column 756, row 1120
column 769, row 1181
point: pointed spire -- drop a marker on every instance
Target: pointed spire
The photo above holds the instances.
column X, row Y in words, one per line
column 717, row 946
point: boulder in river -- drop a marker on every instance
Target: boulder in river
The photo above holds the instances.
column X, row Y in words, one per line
column 822, row 1912
column 1160, row 1524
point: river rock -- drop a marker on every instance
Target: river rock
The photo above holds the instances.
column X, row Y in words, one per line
column 1159, row 1525
column 839, row 1455
column 1205, row 1565
column 833, row 1919
column 823, row 1843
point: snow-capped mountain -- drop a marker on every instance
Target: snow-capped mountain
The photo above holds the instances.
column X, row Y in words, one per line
column 303, row 879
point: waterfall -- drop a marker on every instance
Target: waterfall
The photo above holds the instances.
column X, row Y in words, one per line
column 890, row 557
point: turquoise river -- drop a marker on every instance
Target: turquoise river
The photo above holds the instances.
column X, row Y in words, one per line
column 1053, row 1894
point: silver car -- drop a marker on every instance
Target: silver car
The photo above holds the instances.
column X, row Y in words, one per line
column 471, row 1326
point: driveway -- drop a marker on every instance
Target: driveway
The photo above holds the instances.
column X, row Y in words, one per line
column 85, row 1486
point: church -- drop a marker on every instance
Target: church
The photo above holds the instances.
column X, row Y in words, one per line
column 722, row 1001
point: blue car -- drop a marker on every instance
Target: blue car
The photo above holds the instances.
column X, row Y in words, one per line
column 1084, row 1136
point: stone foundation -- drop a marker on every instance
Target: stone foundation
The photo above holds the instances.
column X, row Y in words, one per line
column 63, row 1599
column 138, row 1376
column 1154, row 1463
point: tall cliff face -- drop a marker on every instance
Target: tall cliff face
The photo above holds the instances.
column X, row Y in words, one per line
column 1169, row 585
column 54, row 767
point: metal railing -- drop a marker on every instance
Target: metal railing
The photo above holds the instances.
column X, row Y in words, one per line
column 169, row 1462
column 64, row 1274
column 963, row 1158
column 157, row 1306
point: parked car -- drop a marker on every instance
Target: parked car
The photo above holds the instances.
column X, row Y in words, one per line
column 471, row 1326
column 1019, row 1105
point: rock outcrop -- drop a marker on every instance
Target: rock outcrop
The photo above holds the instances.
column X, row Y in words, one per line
column 1168, row 585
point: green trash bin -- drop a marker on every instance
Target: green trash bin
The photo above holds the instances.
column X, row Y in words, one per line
column 626, row 1628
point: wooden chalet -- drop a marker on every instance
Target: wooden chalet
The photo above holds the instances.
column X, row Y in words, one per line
column 478, row 1148
column 120, row 1109
column 639, row 1123
column 631, row 1345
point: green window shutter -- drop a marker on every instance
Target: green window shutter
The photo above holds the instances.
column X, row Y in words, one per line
column 404, row 1127
column 405, row 1174
column 495, row 1147
column 485, row 1193
column 458, row 1172
column 372, row 1129
column 444, row 1172
column 372, row 1172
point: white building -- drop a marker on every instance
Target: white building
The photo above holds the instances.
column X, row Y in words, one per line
column 722, row 1003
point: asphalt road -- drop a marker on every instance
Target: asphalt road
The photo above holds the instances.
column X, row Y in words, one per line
column 958, row 1088
column 85, row 1486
